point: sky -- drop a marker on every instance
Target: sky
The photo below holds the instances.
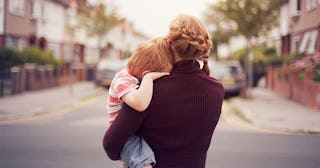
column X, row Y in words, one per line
column 153, row 17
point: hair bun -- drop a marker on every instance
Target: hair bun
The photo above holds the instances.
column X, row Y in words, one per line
column 188, row 37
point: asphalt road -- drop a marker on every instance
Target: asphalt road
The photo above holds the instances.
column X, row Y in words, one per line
column 71, row 138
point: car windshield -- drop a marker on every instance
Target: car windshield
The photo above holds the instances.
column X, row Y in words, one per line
column 221, row 71
column 112, row 64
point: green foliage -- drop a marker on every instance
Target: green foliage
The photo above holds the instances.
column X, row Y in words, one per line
column 262, row 56
column 316, row 73
column 301, row 74
column 11, row 57
column 96, row 19
column 38, row 56
column 252, row 17
column 274, row 60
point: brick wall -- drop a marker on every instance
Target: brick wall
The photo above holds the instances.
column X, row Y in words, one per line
column 287, row 84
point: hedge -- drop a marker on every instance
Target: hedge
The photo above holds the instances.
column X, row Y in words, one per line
column 11, row 57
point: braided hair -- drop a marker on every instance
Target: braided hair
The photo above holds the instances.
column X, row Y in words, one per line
column 189, row 39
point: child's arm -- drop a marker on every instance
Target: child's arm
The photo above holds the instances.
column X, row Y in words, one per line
column 140, row 98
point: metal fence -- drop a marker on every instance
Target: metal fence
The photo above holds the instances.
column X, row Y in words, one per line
column 5, row 82
column 31, row 77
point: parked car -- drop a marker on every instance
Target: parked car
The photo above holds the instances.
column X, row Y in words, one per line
column 230, row 74
column 106, row 69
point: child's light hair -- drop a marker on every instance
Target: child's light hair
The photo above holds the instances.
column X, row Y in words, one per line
column 154, row 56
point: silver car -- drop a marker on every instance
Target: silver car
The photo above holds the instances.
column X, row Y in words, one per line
column 230, row 74
column 106, row 70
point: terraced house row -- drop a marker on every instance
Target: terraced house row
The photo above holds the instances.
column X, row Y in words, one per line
column 52, row 25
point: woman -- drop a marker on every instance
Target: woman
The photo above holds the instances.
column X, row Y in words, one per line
column 185, row 107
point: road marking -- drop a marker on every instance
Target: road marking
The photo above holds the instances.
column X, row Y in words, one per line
column 93, row 121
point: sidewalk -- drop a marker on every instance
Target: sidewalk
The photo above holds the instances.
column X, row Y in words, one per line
column 266, row 109
column 44, row 101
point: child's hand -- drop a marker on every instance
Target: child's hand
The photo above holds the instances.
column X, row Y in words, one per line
column 156, row 75
column 124, row 165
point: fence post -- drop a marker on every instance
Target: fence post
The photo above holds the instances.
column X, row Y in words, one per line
column 30, row 76
column 49, row 75
column 42, row 77
column 2, row 73
column 15, row 74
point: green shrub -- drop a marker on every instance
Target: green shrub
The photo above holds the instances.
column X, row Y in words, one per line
column 38, row 56
column 9, row 58
column 316, row 73
column 262, row 57
column 301, row 74
column 274, row 60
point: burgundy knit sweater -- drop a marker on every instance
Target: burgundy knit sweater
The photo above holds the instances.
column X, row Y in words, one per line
column 179, row 122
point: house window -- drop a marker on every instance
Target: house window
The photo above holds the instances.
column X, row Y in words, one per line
column 311, row 4
column 14, row 42
column 296, row 43
column 309, row 42
column 36, row 10
column 17, row 7
column 67, row 52
column 294, row 7
column 55, row 49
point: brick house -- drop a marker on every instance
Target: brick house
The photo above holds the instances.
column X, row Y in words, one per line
column 300, row 33
column 300, row 26
column 18, row 26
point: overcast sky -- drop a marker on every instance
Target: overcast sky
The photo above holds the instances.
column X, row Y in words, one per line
column 152, row 17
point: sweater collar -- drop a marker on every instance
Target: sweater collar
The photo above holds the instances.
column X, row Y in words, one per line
column 186, row 66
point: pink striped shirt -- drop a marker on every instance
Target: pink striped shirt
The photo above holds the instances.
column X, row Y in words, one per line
column 121, row 84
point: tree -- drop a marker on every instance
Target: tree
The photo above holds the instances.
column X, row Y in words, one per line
column 97, row 20
column 253, row 18
column 222, row 31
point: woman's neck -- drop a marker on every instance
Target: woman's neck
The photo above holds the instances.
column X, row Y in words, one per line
column 177, row 58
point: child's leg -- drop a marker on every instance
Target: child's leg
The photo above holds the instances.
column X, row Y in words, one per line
column 148, row 166
column 136, row 153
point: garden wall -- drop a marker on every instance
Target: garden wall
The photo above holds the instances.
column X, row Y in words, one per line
column 294, row 86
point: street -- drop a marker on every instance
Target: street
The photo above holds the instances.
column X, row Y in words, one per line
column 72, row 138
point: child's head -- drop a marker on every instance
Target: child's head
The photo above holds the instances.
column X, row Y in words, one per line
column 153, row 55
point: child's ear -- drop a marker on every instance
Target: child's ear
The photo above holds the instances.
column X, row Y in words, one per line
column 145, row 72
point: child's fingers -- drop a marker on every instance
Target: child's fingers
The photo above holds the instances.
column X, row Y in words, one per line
column 156, row 75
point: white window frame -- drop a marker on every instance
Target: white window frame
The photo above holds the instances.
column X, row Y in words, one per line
column 293, row 5
column 312, row 47
column 309, row 41
column 304, row 42
column 15, row 42
column 296, row 40
column 311, row 4
column 17, row 7
column 1, row 16
column 36, row 10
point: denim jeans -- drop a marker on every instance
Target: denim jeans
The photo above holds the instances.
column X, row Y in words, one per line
column 136, row 153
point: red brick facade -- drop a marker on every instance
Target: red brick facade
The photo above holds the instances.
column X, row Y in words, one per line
column 287, row 84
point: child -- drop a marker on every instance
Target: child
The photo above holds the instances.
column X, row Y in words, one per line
column 134, row 86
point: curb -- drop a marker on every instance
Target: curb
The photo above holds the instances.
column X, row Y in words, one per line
column 251, row 118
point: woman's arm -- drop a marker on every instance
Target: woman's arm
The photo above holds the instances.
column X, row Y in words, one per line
column 125, row 125
column 140, row 98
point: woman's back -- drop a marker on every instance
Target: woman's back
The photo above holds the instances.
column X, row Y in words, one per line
column 181, row 118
